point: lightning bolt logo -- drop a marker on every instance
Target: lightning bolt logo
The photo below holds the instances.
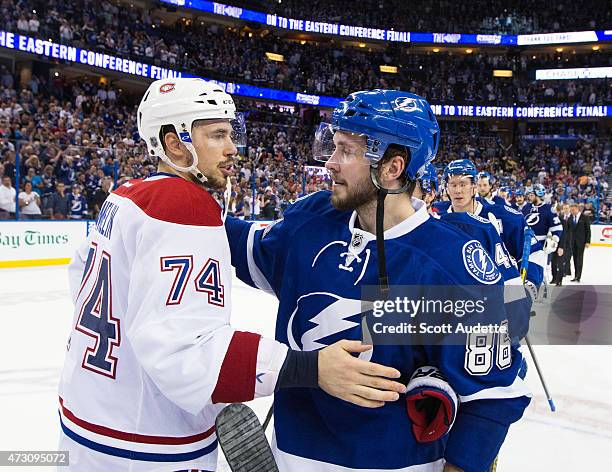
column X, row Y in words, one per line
column 331, row 320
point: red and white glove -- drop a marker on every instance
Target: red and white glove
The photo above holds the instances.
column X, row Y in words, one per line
column 431, row 404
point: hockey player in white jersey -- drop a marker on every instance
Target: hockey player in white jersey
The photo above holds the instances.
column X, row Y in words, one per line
column 152, row 357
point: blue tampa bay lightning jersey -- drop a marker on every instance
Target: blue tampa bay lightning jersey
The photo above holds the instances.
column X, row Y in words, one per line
column 518, row 305
column 525, row 208
column 440, row 207
column 511, row 226
column 316, row 261
column 542, row 220
column 494, row 200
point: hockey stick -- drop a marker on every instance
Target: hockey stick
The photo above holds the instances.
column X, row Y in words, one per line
column 524, row 263
column 243, row 440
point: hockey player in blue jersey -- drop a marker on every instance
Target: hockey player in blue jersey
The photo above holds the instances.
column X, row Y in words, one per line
column 518, row 304
column 317, row 259
column 520, row 201
column 544, row 221
column 460, row 183
column 485, row 190
column 427, row 185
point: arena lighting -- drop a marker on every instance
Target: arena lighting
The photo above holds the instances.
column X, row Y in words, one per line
column 559, row 49
column 469, row 51
column 595, row 48
column 389, row 69
column 362, row 45
column 302, row 42
column 436, row 49
column 502, row 73
column 275, row 57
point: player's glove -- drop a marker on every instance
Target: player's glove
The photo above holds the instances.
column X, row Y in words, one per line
column 551, row 244
column 431, row 403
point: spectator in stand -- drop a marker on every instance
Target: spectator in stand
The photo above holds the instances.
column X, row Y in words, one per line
column 58, row 203
column 77, row 205
column 29, row 203
column 7, row 199
column 100, row 196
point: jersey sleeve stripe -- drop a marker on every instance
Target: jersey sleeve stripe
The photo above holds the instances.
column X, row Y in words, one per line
column 256, row 275
column 518, row 388
column 236, row 382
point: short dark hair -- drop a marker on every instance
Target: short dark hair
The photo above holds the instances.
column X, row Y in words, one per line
column 403, row 152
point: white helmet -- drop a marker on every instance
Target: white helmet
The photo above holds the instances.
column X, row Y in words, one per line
column 180, row 102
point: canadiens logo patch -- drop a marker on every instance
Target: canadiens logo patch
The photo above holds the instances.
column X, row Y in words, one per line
column 479, row 264
column 533, row 219
column 166, row 88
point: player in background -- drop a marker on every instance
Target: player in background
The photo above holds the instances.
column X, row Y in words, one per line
column 518, row 304
column 426, row 188
column 505, row 193
column 485, row 190
column 520, row 201
column 460, row 183
column 316, row 261
column 152, row 356
column 545, row 222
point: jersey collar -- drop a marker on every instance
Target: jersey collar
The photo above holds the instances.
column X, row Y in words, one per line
column 415, row 220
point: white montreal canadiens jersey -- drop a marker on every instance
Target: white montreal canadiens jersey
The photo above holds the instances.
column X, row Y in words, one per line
column 151, row 355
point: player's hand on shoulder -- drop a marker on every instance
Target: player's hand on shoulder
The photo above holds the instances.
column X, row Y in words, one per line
column 356, row 381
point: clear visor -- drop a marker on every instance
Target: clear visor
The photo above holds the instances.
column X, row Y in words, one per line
column 337, row 146
column 239, row 133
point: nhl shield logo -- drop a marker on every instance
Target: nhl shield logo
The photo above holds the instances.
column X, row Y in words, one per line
column 406, row 104
column 357, row 240
column 166, row 88
column 479, row 264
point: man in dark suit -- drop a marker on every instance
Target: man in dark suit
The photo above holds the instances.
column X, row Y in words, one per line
column 561, row 257
column 580, row 229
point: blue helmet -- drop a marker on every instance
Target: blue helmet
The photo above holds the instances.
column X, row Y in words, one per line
column 429, row 178
column 539, row 190
column 519, row 192
column 460, row 167
column 485, row 175
column 384, row 117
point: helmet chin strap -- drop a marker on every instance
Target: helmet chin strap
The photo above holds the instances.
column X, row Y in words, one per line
column 192, row 169
column 383, row 278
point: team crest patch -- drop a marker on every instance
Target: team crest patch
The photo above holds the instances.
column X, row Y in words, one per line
column 512, row 210
column 479, row 264
column 406, row 104
column 533, row 219
column 166, row 88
